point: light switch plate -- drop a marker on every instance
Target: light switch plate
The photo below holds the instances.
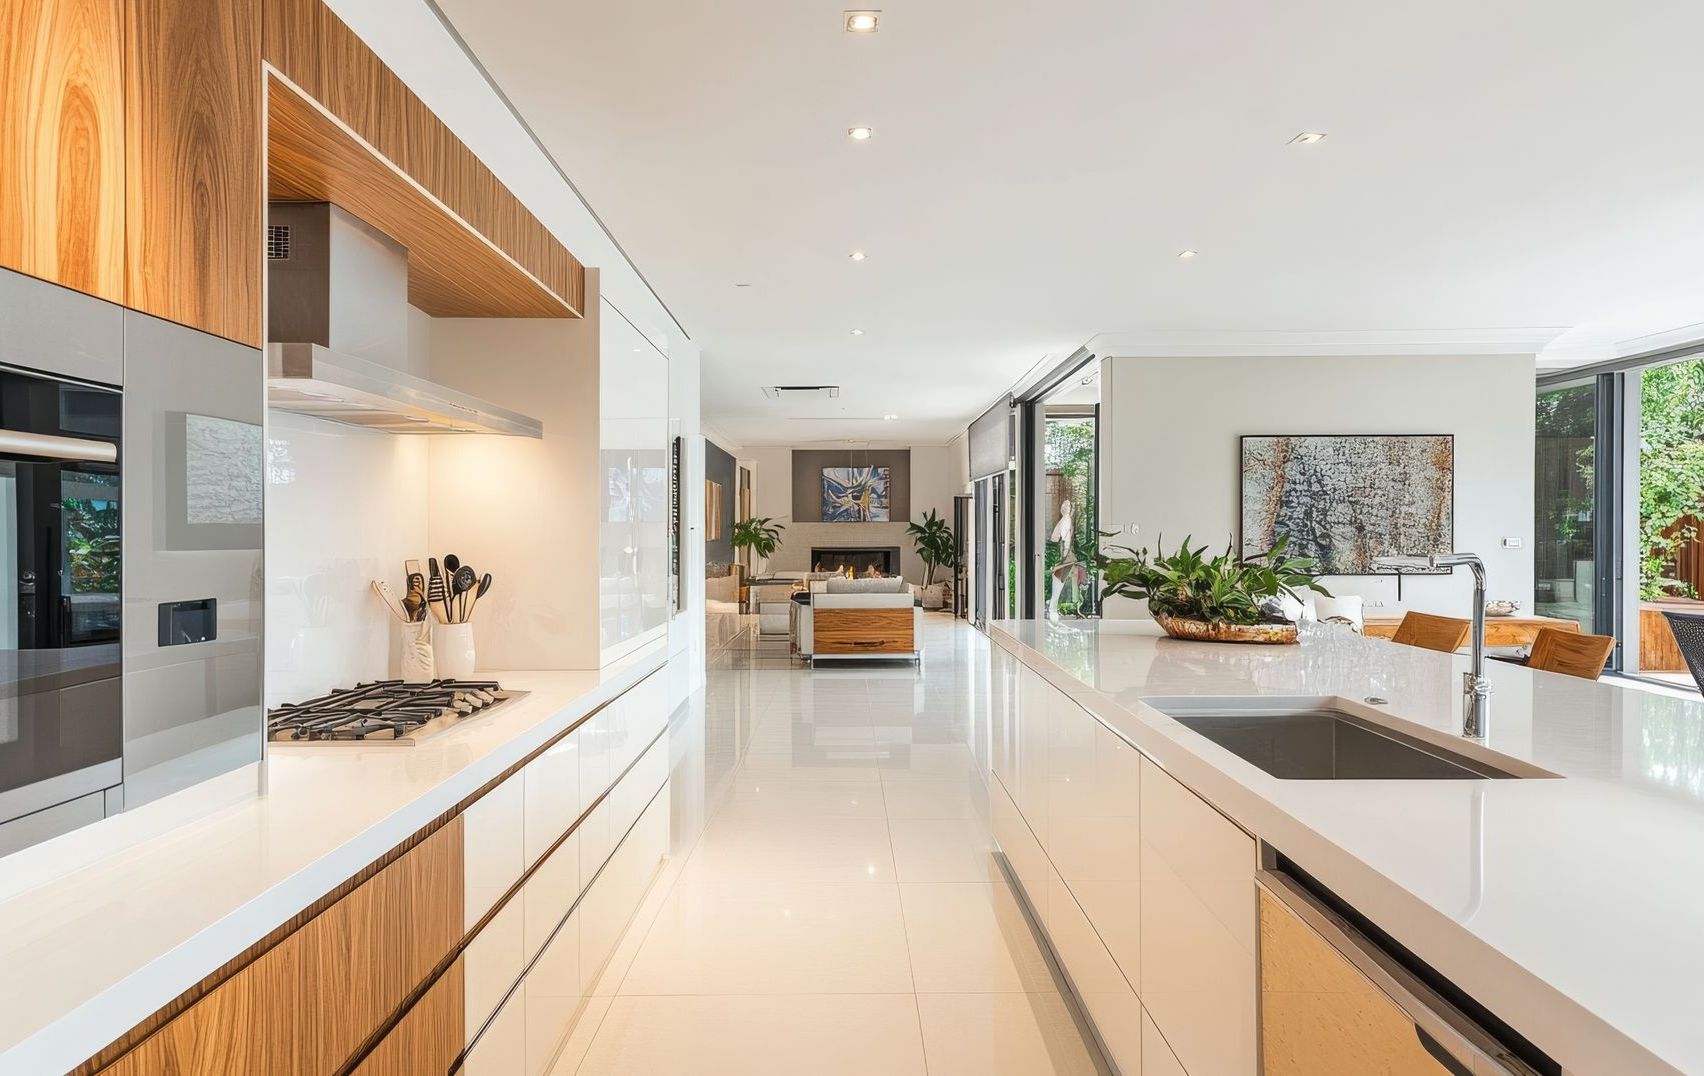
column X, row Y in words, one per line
column 1513, row 543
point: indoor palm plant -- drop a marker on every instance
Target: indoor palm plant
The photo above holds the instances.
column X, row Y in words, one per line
column 760, row 534
column 937, row 548
column 1226, row 598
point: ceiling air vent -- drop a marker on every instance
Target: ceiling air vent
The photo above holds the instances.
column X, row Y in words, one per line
column 793, row 392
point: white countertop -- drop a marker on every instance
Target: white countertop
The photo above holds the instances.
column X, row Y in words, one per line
column 102, row 926
column 1573, row 908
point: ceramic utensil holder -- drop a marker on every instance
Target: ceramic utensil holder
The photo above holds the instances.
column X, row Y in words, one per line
column 416, row 663
column 453, row 644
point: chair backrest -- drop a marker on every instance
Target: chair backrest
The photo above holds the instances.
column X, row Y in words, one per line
column 1688, row 631
column 1570, row 652
column 1445, row 633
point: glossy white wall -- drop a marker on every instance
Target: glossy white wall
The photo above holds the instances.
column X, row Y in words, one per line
column 524, row 510
column 345, row 506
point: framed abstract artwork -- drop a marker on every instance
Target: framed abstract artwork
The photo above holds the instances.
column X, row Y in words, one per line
column 1344, row 499
column 855, row 494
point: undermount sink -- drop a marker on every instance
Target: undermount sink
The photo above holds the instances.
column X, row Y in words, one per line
column 1316, row 740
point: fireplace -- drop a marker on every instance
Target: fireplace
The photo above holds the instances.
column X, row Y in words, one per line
column 863, row 560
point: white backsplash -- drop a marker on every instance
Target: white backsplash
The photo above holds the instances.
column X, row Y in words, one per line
column 345, row 506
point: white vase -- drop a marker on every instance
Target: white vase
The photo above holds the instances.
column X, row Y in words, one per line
column 452, row 645
column 416, row 662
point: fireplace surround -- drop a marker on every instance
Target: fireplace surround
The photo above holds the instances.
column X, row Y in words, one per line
column 861, row 559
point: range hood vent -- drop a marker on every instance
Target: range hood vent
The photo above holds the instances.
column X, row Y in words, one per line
column 337, row 310
column 312, row 380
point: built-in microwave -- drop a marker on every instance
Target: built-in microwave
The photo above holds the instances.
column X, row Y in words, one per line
column 61, row 563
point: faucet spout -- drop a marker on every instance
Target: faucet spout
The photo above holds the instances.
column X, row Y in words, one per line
column 1475, row 688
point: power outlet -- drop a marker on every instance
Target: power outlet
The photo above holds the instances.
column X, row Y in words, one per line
column 1513, row 543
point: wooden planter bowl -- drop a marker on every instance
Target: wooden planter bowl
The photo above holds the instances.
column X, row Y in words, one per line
column 1205, row 632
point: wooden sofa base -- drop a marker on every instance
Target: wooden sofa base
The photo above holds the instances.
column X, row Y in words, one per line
column 873, row 633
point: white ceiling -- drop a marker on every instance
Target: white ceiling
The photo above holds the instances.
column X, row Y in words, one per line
column 1036, row 167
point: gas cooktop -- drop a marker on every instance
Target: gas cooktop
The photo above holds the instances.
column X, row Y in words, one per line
column 385, row 711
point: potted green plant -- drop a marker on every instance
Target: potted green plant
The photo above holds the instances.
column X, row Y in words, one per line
column 1226, row 598
column 936, row 547
column 760, row 534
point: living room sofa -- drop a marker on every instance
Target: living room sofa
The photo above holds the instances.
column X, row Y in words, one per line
column 858, row 618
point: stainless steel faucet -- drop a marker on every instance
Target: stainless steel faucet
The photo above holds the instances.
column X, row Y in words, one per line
column 1475, row 689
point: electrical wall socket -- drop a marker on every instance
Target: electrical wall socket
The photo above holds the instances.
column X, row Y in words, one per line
column 1513, row 543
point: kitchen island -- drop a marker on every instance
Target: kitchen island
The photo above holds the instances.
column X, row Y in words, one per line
column 1566, row 905
column 102, row 927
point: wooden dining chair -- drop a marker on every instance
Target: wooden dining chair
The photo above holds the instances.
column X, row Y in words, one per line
column 1445, row 633
column 1570, row 652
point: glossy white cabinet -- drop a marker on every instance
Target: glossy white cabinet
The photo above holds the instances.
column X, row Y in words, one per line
column 551, row 999
column 491, row 963
column 610, row 902
column 1198, row 928
column 1099, row 984
column 493, row 846
column 1002, row 716
column 549, row 894
column 1094, row 826
column 1035, row 700
column 1023, row 852
column 596, row 735
column 551, row 788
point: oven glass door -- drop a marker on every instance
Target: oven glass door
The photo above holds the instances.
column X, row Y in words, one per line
column 61, row 716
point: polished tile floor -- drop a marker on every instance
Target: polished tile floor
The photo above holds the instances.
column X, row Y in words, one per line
column 840, row 911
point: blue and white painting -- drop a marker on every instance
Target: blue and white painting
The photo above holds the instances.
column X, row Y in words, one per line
column 855, row 495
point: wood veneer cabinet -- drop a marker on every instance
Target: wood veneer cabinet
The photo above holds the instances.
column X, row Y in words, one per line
column 309, row 1003
column 62, row 142
column 193, row 184
column 430, row 1035
column 309, row 45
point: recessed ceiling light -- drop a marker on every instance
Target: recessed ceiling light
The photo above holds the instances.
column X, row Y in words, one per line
column 859, row 134
column 1308, row 138
column 863, row 22
column 890, row 418
column 1186, row 253
column 856, row 255
column 857, row 332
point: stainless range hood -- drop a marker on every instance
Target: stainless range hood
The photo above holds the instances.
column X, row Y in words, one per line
column 337, row 312
column 313, row 380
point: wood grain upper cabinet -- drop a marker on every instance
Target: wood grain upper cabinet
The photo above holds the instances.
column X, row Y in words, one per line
column 193, row 153
column 62, row 142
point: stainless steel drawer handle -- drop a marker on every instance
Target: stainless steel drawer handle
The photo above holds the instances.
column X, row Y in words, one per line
column 50, row 447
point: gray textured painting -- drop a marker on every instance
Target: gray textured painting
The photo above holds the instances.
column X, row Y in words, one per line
column 1344, row 500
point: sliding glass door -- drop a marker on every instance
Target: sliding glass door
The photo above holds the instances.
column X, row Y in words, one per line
column 1619, row 536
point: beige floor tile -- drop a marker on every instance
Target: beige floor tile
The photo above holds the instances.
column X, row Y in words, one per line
column 586, row 1026
column 932, row 760
column 1002, row 1035
column 971, row 938
column 935, row 798
column 750, row 849
column 818, row 1035
column 785, row 797
column 943, row 850
column 774, row 938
